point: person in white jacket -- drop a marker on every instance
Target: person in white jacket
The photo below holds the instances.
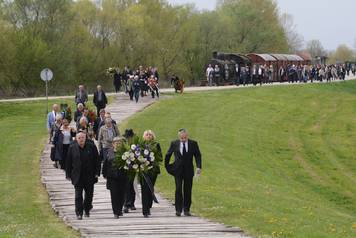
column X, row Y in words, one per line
column 210, row 75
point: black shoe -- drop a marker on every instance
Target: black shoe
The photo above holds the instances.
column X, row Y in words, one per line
column 149, row 213
column 87, row 214
column 126, row 210
column 116, row 216
column 79, row 217
column 178, row 214
column 145, row 215
column 133, row 208
column 187, row 214
column 120, row 214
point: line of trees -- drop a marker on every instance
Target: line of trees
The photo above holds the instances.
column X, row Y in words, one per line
column 79, row 39
column 340, row 55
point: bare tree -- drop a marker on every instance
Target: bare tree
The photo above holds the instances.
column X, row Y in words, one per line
column 295, row 40
column 342, row 54
column 315, row 48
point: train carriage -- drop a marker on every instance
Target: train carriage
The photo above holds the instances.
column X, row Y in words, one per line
column 230, row 65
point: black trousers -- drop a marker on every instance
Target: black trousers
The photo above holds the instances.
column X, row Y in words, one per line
column 183, row 196
column 130, row 195
column 98, row 108
column 117, row 193
column 146, row 194
column 117, row 87
column 131, row 94
column 87, row 204
column 255, row 79
column 154, row 92
column 62, row 162
column 217, row 80
column 136, row 94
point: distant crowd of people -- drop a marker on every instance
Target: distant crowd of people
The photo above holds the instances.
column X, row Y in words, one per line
column 264, row 74
column 136, row 83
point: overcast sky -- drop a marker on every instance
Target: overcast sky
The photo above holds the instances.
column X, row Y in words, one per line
column 330, row 21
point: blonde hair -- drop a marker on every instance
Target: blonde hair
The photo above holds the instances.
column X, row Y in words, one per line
column 150, row 132
column 59, row 117
column 83, row 119
column 80, row 105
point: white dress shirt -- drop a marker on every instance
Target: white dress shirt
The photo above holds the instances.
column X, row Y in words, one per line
column 181, row 147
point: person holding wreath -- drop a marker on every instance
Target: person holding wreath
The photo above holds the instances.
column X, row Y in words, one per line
column 130, row 194
column 147, row 187
column 116, row 179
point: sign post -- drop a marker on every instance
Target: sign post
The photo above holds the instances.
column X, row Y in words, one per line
column 46, row 76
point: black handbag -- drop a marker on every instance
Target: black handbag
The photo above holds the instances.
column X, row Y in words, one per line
column 173, row 168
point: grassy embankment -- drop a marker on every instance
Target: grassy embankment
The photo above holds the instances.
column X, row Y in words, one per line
column 277, row 161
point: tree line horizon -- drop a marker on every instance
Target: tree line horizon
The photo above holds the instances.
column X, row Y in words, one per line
column 79, row 40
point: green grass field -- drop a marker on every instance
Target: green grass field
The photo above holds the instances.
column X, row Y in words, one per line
column 24, row 205
column 277, row 161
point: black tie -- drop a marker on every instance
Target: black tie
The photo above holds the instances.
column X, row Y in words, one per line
column 184, row 149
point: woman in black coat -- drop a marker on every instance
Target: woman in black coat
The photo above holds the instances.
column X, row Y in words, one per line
column 61, row 141
column 116, row 179
column 147, row 195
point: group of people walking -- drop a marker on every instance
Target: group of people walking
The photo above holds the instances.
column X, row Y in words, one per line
column 84, row 156
column 136, row 83
column 265, row 74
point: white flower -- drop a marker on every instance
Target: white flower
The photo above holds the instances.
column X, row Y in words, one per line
column 152, row 158
column 150, row 167
column 123, row 157
column 132, row 155
column 147, row 163
column 133, row 147
column 140, row 158
column 125, row 167
column 135, row 166
column 152, row 154
column 142, row 167
column 128, row 161
column 146, row 152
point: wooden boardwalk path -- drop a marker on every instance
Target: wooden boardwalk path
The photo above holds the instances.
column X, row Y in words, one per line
column 162, row 224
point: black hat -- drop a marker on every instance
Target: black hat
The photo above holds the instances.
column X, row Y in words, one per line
column 128, row 133
column 174, row 168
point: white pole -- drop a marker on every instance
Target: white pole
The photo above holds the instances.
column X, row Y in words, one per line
column 47, row 96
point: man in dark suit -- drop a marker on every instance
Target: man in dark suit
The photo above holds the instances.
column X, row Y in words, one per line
column 183, row 170
column 81, row 96
column 99, row 99
column 83, row 169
